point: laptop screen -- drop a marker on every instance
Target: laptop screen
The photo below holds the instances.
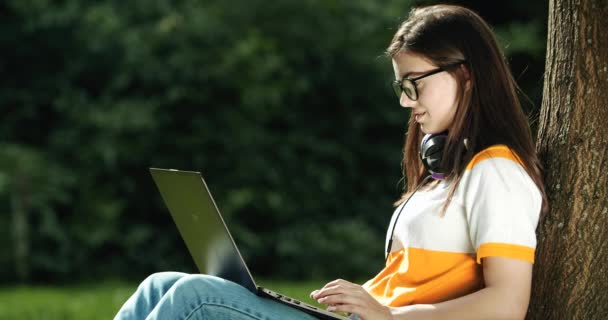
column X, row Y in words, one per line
column 201, row 226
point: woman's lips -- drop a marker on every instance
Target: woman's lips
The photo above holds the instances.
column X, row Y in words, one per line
column 418, row 116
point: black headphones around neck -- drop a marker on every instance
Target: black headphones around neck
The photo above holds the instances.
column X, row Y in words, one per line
column 431, row 154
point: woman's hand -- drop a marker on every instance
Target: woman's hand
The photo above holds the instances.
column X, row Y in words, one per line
column 343, row 296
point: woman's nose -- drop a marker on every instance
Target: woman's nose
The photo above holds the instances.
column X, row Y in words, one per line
column 405, row 101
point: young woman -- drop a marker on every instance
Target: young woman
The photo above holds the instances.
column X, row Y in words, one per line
column 460, row 244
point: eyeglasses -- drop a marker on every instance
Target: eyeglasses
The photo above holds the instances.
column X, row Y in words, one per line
column 408, row 85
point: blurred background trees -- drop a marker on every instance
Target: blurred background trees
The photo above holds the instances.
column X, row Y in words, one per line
column 283, row 105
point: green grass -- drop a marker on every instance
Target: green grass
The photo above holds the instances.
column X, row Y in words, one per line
column 97, row 301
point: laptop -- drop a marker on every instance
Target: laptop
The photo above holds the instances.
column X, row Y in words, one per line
column 208, row 239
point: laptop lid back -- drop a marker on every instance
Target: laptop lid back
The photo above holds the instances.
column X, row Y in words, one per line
column 201, row 225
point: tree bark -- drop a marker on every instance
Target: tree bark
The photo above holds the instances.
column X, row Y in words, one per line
column 571, row 269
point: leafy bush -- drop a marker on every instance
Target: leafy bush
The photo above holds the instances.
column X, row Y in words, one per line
column 284, row 106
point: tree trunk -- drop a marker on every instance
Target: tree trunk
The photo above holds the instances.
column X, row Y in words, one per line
column 571, row 269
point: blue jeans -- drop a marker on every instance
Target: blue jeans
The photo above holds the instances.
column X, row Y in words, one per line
column 181, row 296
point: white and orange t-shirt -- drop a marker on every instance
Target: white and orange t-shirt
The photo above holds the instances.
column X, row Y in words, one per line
column 435, row 257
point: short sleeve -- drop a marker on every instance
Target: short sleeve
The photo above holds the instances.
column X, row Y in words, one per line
column 502, row 206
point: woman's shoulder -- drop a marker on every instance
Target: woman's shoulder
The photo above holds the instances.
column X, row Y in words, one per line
column 500, row 168
column 495, row 166
column 497, row 153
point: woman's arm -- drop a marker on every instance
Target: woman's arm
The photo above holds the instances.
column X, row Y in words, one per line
column 506, row 296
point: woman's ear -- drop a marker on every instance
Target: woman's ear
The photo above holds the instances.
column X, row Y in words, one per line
column 467, row 76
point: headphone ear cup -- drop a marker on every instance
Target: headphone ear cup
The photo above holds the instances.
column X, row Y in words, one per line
column 431, row 154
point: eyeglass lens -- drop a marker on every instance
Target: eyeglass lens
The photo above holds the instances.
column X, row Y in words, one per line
column 406, row 86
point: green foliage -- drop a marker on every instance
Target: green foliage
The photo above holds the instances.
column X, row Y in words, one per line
column 284, row 106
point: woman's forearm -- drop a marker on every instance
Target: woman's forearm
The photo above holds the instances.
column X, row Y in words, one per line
column 488, row 303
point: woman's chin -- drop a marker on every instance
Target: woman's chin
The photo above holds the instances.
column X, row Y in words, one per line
column 426, row 129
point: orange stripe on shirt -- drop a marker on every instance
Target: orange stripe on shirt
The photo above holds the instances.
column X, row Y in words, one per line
column 425, row 276
column 493, row 249
column 497, row 151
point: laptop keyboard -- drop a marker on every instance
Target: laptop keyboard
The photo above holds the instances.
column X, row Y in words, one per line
column 300, row 303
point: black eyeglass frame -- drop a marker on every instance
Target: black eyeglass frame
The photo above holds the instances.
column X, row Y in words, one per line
column 398, row 84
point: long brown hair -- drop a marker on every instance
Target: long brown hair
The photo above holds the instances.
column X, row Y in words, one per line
column 488, row 111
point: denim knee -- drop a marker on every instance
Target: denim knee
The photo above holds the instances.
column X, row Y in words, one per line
column 203, row 286
column 191, row 294
column 157, row 284
column 162, row 280
column 148, row 294
column 198, row 296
